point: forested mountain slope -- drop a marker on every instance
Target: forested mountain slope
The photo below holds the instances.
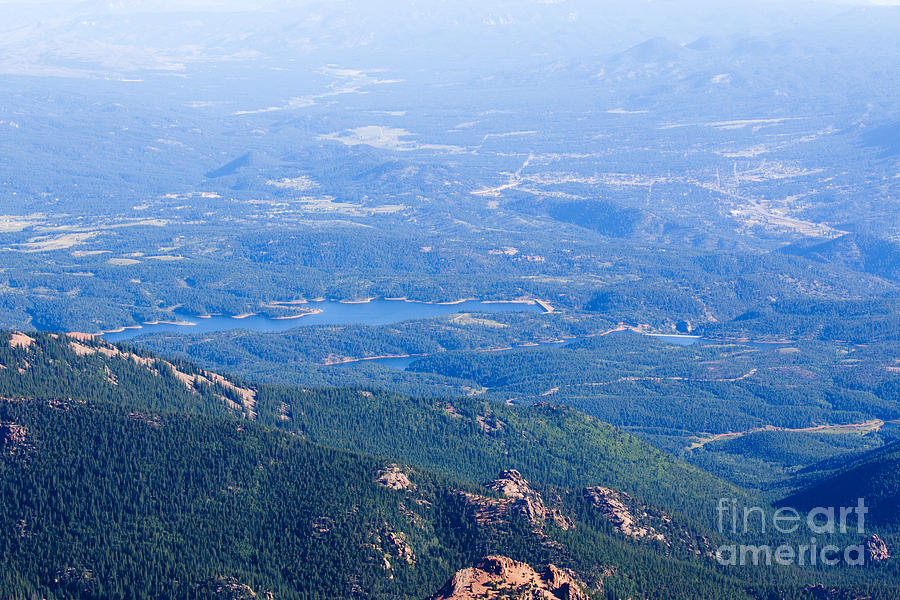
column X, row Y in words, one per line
column 126, row 475
column 97, row 501
column 466, row 438
column 113, row 483
column 874, row 476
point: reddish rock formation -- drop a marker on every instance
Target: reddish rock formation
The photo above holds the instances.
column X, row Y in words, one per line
column 502, row 577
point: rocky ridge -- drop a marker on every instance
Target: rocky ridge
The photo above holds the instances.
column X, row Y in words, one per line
column 612, row 505
column 644, row 524
column 519, row 499
column 502, row 577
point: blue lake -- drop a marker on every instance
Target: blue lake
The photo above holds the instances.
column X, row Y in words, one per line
column 678, row 340
column 376, row 312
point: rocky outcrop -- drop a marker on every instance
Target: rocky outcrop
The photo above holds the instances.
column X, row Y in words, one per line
column 518, row 499
column 229, row 588
column 12, row 437
column 396, row 542
column 392, row 477
column 391, row 548
column 486, row 421
column 529, row 503
column 513, row 486
column 502, row 577
column 876, row 549
column 149, row 419
column 614, row 507
column 450, row 410
column 489, row 423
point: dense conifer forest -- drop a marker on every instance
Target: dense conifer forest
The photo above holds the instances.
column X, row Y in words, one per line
column 140, row 478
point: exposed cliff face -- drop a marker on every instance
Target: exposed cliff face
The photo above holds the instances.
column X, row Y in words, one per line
column 644, row 524
column 502, row 577
column 519, row 499
column 612, row 505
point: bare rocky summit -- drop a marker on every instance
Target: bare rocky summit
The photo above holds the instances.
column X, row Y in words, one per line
column 502, row 577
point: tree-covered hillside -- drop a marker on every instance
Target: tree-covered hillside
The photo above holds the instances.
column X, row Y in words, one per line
column 873, row 476
column 466, row 438
column 97, row 501
column 147, row 478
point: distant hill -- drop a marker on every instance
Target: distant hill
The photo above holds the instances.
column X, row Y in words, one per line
column 856, row 251
column 885, row 137
column 605, row 217
column 654, row 50
column 232, row 167
column 874, row 476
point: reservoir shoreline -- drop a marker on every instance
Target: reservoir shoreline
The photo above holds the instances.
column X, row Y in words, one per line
column 368, row 311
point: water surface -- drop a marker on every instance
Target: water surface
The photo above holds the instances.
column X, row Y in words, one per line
column 376, row 312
